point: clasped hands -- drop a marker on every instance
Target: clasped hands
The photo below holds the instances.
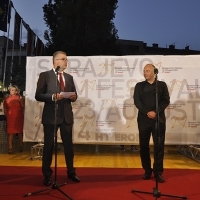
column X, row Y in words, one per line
column 151, row 115
column 58, row 96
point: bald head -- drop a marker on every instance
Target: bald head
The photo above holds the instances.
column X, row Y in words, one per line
column 149, row 73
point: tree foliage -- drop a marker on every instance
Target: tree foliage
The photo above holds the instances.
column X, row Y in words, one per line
column 19, row 75
column 81, row 27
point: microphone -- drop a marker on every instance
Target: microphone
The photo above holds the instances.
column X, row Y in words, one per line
column 57, row 69
column 155, row 71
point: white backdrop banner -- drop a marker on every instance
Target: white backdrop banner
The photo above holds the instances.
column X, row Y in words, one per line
column 104, row 112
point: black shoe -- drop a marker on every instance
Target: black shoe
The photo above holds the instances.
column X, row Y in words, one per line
column 74, row 177
column 47, row 180
column 147, row 175
column 160, row 179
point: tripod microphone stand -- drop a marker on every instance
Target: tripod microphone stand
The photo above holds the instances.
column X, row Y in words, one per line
column 156, row 193
column 55, row 184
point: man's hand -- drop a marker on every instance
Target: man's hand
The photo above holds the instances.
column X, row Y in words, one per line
column 151, row 115
column 57, row 97
column 73, row 97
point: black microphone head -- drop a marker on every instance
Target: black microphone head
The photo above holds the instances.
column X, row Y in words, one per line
column 155, row 71
column 57, row 69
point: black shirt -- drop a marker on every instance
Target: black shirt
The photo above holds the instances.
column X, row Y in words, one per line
column 145, row 99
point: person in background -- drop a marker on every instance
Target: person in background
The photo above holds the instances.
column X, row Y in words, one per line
column 14, row 112
column 145, row 101
column 46, row 92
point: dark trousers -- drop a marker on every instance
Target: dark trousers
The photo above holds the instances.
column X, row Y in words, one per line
column 145, row 131
column 66, row 136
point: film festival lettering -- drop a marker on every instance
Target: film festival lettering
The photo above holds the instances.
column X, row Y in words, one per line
column 104, row 112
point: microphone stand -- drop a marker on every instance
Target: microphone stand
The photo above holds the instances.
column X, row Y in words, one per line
column 156, row 193
column 55, row 184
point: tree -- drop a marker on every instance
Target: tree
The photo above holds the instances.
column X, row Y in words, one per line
column 81, row 27
column 19, row 75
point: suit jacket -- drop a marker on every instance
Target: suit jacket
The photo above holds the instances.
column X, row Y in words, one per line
column 46, row 87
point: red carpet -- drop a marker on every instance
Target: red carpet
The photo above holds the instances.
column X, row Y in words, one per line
column 97, row 184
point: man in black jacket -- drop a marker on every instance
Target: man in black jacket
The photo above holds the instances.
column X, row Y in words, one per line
column 145, row 101
column 45, row 92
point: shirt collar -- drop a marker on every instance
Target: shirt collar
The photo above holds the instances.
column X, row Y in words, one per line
column 58, row 72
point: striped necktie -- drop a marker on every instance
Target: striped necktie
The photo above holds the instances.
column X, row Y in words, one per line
column 62, row 85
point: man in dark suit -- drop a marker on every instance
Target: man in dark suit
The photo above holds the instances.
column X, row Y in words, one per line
column 145, row 101
column 46, row 92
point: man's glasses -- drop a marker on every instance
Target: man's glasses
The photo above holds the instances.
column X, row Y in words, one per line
column 63, row 59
